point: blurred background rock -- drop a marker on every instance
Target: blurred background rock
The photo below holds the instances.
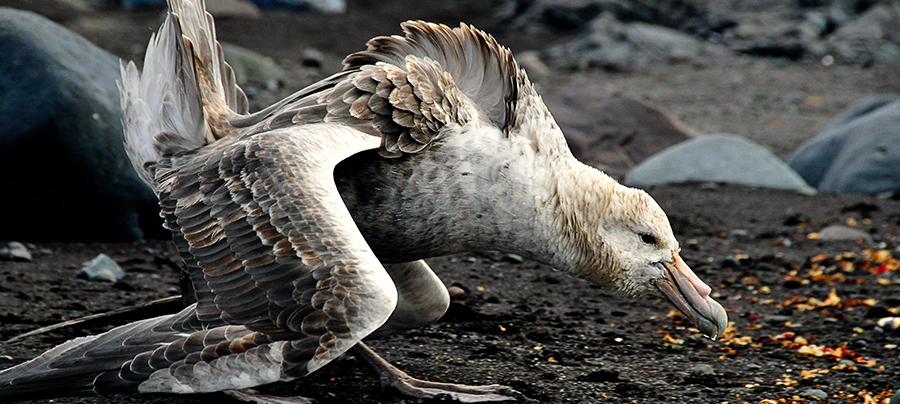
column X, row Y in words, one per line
column 625, row 80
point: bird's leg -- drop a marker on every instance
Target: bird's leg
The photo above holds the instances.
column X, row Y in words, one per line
column 251, row 396
column 398, row 379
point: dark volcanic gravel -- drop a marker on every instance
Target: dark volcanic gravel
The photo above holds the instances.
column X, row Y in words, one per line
column 560, row 339
column 555, row 338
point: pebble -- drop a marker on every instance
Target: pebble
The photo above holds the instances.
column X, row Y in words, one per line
column 842, row 233
column 776, row 318
column 312, row 57
column 753, row 367
column 815, row 393
column 15, row 251
column 101, row 268
column 513, row 258
column 456, row 291
column 702, row 370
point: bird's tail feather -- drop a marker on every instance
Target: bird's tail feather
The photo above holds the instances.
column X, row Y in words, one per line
column 185, row 95
column 74, row 367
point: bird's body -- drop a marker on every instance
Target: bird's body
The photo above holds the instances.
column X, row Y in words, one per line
column 303, row 226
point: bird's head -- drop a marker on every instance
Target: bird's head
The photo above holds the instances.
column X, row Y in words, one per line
column 627, row 243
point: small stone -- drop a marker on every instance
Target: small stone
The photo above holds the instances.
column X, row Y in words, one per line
column 101, row 268
column 456, row 291
column 843, row 233
column 815, row 393
column 513, row 258
column 702, row 370
column 312, row 57
column 752, row 367
column 15, row 251
column 777, row 318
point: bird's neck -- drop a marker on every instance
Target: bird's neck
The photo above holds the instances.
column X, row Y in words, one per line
column 475, row 195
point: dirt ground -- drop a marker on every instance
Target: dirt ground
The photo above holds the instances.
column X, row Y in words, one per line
column 799, row 306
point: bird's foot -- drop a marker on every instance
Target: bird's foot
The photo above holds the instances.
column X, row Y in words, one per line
column 251, row 396
column 400, row 380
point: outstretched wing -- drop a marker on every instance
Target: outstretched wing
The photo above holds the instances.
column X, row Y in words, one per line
column 270, row 244
column 408, row 89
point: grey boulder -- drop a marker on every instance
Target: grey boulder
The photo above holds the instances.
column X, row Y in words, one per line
column 610, row 131
column 65, row 175
column 858, row 152
column 612, row 44
column 726, row 159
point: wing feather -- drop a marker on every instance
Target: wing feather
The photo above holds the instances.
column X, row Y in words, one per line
column 271, row 248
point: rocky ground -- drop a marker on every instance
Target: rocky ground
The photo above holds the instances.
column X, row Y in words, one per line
column 805, row 312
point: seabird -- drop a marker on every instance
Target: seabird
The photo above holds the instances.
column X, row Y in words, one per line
column 303, row 226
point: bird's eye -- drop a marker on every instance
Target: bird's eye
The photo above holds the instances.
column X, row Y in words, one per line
column 648, row 239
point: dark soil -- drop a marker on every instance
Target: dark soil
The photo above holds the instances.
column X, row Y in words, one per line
column 553, row 337
column 559, row 339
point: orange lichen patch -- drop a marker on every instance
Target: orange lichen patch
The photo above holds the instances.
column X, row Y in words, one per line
column 675, row 341
column 879, row 261
column 845, row 366
column 865, row 397
column 818, row 258
column 731, row 336
column 803, row 346
column 823, row 268
column 821, row 350
column 813, row 373
column 786, row 381
column 833, row 300
column 869, row 363
column 861, row 397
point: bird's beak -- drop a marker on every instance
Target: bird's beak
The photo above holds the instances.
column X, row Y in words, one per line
column 690, row 295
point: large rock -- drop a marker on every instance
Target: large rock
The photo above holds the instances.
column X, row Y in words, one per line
column 720, row 159
column 612, row 44
column 873, row 36
column 858, row 152
column 63, row 171
column 682, row 15
column 610, row 131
